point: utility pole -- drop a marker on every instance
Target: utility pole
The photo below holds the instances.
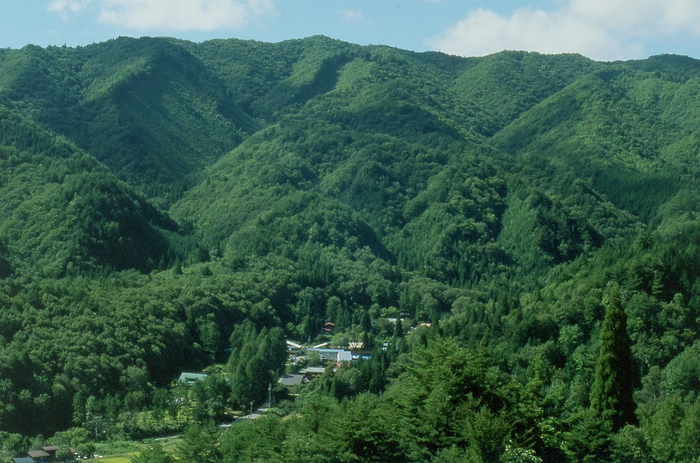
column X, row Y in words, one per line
column 269, row 395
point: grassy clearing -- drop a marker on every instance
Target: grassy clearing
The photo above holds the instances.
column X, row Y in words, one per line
column 119, row 458
column 170, row 445
column 122, row 456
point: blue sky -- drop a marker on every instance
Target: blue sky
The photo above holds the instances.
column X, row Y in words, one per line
column 599, row 29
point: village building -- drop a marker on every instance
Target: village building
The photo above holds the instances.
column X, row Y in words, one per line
column 190, row 378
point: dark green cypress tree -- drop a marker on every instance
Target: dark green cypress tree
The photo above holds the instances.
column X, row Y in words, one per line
column 611, row 395
column 398, row 329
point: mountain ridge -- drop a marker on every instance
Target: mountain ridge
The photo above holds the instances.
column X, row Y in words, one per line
column 170, row 206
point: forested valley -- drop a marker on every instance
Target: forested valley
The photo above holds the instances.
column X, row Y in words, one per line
column 513, row 239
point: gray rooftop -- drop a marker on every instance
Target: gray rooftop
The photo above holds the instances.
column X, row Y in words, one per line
column 291, row 380
column 313, row 370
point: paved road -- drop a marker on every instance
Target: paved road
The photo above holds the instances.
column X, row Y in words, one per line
column 256, row 414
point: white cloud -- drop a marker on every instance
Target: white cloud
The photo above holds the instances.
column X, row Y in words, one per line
column 170, row 15
column 351, row 16
column 600, row 29
column 64, row 7
column 641, row 18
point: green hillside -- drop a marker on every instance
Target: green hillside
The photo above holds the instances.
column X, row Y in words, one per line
column 508, row 84
column 602, row 128
column 63, row 212
column 146, row 108
column 513, row 238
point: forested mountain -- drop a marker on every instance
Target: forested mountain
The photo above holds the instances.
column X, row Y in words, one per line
column 515, row 238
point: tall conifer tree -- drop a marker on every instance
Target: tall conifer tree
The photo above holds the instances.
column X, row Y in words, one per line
column 611, row 396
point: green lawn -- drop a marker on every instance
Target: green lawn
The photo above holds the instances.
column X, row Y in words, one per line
column 169, row 446
column 119, row 458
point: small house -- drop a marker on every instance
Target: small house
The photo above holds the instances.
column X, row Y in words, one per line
column 51, row 450
column 190, row 378
column 39, row 455
column 291, row 380
column 332, row 355
column 312, row 371
column 293, row 348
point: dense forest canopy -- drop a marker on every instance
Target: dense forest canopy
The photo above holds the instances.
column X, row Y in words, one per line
column 515, row 239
